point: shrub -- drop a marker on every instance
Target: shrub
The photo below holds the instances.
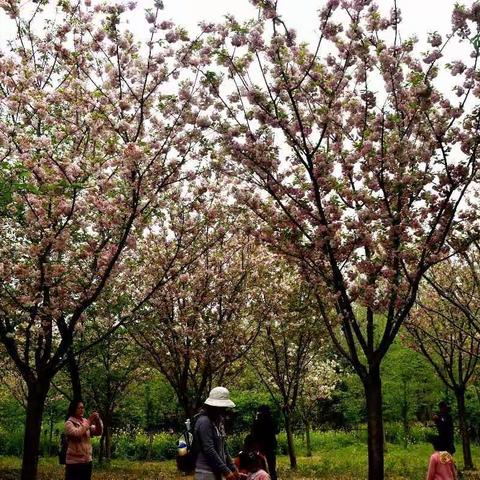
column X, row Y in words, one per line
column 11, row 442
column 142, row 446
column 417, row 433
column 139, row 445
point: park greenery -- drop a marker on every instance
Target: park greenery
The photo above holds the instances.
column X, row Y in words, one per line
column 232, row 206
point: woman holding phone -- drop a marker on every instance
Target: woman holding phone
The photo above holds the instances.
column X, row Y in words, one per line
column 78, row 431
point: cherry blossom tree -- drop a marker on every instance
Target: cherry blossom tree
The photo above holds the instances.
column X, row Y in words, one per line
column 93, row 134
column 288, row 344
column 366, row 163
column 319, row 383
column 447, row 338
column 196, row 328
column 458, row 283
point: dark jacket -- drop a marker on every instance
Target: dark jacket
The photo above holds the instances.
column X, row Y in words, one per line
column 264, row 431
column 444, row 425
column 211, row 446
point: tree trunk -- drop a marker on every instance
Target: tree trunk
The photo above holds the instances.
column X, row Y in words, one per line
column 50, row 439
column 37, row 394
column 464, row 434
column 101, row 454
column 309, row 440
column 150, row 446
column 74, row 375
column 373, row 394
column 406, row 428
column 290, row 445
column 187, row 404
column 108, row 442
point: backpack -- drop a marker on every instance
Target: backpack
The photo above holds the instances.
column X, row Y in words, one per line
column 187, row 450
column 62, row 450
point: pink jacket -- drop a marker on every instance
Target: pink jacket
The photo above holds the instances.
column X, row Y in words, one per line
column 441, row 467
column 78, row 432
column 259, row 475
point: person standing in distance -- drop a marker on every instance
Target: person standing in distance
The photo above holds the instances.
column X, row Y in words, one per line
column 444, row 423
column 79, row 430
column 213, row 461
column 264, row 431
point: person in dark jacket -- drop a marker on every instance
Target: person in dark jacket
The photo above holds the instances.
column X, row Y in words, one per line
column 213, row 461
column 444, row 423
column 264, row 431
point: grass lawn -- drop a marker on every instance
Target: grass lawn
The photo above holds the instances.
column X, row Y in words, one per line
column 340, row 463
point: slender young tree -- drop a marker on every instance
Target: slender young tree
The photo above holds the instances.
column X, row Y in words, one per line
column 196, row 328
column 93, row 133
column 458, row 283
column 116, row 363
column 448, row 340
column 319, row 383
column 288, row 344
column 363, row 159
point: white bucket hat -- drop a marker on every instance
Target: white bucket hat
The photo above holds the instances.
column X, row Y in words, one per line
column 219, row 397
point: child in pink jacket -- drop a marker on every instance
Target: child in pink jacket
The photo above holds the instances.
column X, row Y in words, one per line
column 441, row 465
column 250, row 463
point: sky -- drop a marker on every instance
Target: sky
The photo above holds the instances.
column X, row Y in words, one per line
column 420, row 16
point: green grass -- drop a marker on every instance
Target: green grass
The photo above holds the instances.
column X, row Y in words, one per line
column 334, row 460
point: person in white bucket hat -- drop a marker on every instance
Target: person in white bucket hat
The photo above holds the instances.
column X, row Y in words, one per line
column 213, row 461
column 219, row 397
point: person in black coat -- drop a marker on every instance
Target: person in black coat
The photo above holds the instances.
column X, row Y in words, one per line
column 264, row 432
column 444, row 423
